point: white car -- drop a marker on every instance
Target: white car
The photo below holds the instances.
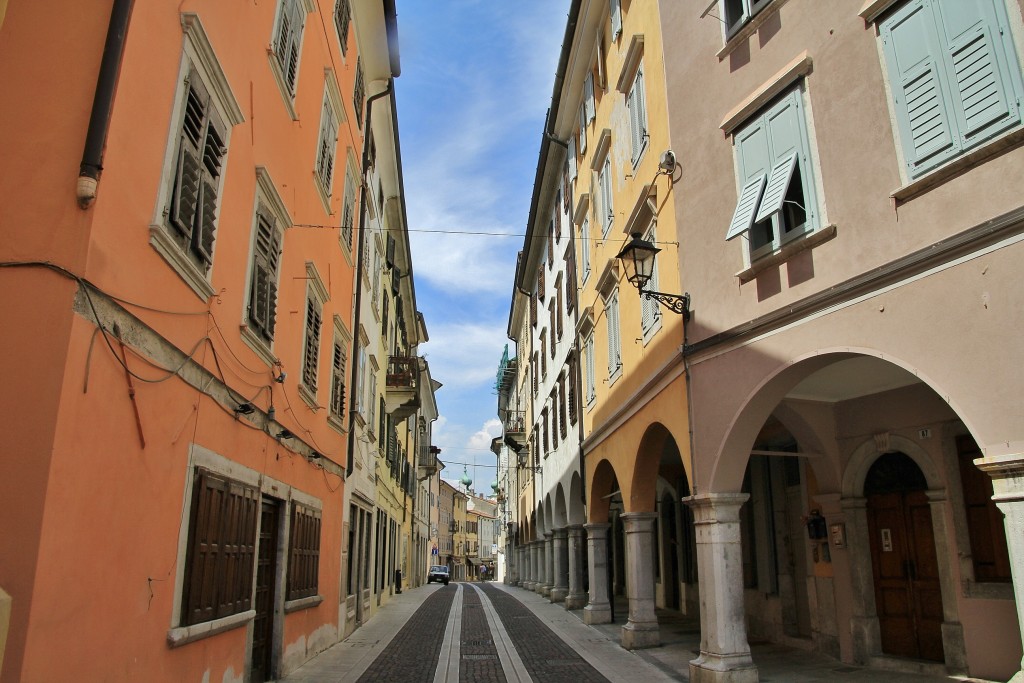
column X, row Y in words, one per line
column 438, row 572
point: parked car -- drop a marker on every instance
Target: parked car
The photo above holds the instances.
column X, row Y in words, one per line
column 438, row 572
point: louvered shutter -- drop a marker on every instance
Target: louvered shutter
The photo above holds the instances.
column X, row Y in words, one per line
column 616, row 17
column 540, row 280
column 583, row 129
column 649, row 312
column 338, row 380
column 637, row 115
column 289, row 37
column 612, row 321
column 585, row 246
column 311, row 353
column 389, row 254
column 924, row 109
column 775, row 188
column 591, row 376
column 571, row 154
column 571, row 398
column 185, row 195
column 978, row 68
column 607, row 207
column 348, row 212
column 263, row 291
column 588, row 96
column 213, row 159
column 325, row 153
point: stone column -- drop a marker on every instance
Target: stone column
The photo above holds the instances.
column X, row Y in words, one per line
column 531, row 565
column 576, row 598
column 724, row 650
column 953, row 645
column 560, row 562
column 864, row 627
column 599, row 610
column 642, row 628
column 547, row 569
column 1007, row 472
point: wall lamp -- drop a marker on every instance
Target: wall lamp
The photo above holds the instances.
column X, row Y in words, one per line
column 638, row 261
column 284, row 434
column 245, row 409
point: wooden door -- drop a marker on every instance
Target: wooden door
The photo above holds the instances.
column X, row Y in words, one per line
column 263, row 603
column 908, row 596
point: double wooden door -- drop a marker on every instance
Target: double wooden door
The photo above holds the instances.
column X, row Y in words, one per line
column 908, row 596
column 264, row 598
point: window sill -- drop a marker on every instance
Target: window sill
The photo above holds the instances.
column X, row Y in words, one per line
column 183, row 635
column 787, row 251
column 171, row 252
column 302, row 603
column 749, row 29
column 337, row 423
column 258, row 345
column 961, row 164
column 988, row 590
column 309, row 396
column 614, row 377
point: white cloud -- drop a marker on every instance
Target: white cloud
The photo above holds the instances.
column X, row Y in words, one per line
column 465, row 355
column 483, row 437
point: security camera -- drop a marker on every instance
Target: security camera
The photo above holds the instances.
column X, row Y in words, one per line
column 668, row 161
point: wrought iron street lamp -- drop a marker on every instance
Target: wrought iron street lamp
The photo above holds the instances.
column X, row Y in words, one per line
column 638, row 261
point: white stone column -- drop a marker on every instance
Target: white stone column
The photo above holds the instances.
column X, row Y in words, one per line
column 1007, row 472
column 641, row 630
column 599, row 610
column 560, row 562
column 724, row 650
column 547, row 569
column 576, row 598
column 531, row 562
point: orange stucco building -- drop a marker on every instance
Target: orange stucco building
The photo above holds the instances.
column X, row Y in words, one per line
column 176, row 335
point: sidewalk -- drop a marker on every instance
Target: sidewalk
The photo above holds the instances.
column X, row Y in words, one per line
column 680, row 638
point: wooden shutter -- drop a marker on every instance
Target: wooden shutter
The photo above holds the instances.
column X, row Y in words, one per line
column 540, row 282
column 359, row 95
column 328, row 143
column 571, row 398
column 338, row 380
column 221, row 548
column 607, row 207
column 585, row 246
column 924, row 109
column 289, row 37
column 303, row 552
column 583, row 128
column 389, row 253
column 348, row 212
column 743, row 216
column 561, row 407
column 591, row 375
column 571, row 155
column 559, row 313
column 775, row 188
column 588, row 96
column 979, row 66
column 188, row 171
column 265, row 262
column 553, row 398
column 311, row 353
column 213, row 159
column 984, row 520
column 342, row 18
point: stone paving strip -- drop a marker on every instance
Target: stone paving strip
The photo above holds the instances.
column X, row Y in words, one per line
column 478, row 656
column 413, row 654
column 546, row 657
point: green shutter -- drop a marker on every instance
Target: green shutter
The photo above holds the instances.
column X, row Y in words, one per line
column 743, row 216
column 924, row 110
column 977, row 65
column 775, row 188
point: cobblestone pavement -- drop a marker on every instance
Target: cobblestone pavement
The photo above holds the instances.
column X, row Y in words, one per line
column 547, row 657
column 413, row 653
column 479, row 656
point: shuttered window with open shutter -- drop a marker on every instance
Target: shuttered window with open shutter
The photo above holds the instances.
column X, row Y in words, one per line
column 265, row 267
column 326, row 146
column 637, row 105
column 342, row 19
column 288, row 41
column 611, row 309
column 588, row 347
column 221, row 550
column 616, row 18
column 311, row 345
column 338, row 363
column 955, row 77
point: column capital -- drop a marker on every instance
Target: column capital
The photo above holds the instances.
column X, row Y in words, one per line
column 561, row 533
column 638, row 522
column 1007, row 472
column 597, row 528
column 716, row 507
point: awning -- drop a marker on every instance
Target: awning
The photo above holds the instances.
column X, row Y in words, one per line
column 473, row 561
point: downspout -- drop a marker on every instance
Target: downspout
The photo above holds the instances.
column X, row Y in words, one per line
column 350, row 464
column 102, row 103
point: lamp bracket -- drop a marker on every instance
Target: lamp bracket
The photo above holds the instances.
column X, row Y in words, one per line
column 677, row 303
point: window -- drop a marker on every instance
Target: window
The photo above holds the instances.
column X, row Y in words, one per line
column 221, row 551
column 197, row 178
column 553, row 400
column 348, row 211
column 326, row 146
column 342, row 18
column 533, row 310
column 637, row 105
column 650, row 314
column 739, row 12
column 553, row 325
column 561, row 406
column 535, row 373
column 611, row 313
column 583, row 128
column 954, row 75
column 316, row 296
column 588, row 98
column 266, row 261
column 606, row 210
column 571, row 395
column 585, row 248
column 559, row 312
column 371, row 401
column 287, row 44
column 339, row 358
column 615, row 12
column 776, row 200
column 544, row 353
column 588, row 350
column 303, row 552
column 359, row 93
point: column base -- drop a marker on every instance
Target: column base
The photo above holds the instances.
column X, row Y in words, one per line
column 575, row 601
column 723, row 669
column 597, row 614
column 636, row 636
column 545, row 590
column 558, row 594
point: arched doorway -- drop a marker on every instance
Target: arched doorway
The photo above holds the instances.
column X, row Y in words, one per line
column 908, row 593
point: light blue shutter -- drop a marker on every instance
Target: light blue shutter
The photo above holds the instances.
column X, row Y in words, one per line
column 977, row 67
column 743, row 217
column 924, row 110
column 572, row 158
column 588, row 96
column 616, row 16
column 583, row 129
column 614, row 343
column 775, row 188
column 637, row 115
column 585, row 247
column 607, row 208
column 590, row 368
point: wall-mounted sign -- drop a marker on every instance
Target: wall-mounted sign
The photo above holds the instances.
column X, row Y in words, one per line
column 886, row 540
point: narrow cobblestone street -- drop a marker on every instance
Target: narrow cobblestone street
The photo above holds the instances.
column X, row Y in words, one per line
column 492, row 633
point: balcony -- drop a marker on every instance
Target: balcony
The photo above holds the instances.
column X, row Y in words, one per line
column 515, row 429
column 402, row 397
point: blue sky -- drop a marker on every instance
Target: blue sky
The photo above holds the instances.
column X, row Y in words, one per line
column 476, row 82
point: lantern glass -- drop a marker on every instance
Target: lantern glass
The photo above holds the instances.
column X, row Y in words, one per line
column 638, row 260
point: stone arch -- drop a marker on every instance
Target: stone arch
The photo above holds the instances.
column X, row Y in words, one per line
column 865, row 455
column 577, row 513
column 603, row 485
column 560, row 517
column 653, row 446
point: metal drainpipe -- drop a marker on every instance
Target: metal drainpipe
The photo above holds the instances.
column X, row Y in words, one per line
column 102, row 103
column 350, row 464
